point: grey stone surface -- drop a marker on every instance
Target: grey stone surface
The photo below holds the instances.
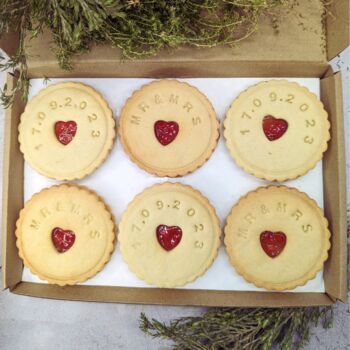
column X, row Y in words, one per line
column 35, row 324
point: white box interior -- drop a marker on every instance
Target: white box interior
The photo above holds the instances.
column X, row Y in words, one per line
column 118, row 180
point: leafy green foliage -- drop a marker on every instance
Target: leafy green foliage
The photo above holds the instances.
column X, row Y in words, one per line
column 240, row 328
column 138, row 27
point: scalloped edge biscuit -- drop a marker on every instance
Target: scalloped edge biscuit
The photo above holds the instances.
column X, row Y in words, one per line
column 200, row 197
column 176, row 172
column 108, row 144
column 291, row 174
column 230, row 222
column 109, row 247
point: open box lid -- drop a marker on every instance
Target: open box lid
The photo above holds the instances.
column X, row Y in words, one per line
column 301, row 40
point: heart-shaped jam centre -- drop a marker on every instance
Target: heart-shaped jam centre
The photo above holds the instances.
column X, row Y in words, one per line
column 65, row 131
column 62, row 239
column 273, row 242
column 168, row 236
column 274, row 128
column 165, row 132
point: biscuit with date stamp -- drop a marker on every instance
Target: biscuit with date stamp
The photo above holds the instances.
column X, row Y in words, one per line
column 169, row 235
column 277, row 237
column 66, row 131
column 168, row 128
column 276, row 130
column 65, row 234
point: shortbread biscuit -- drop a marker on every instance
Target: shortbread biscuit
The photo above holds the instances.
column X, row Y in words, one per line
column 65, row 234
column 277, row 237
column 66, row 131
column 168, row 128
column 277, row 130
column 169, row 235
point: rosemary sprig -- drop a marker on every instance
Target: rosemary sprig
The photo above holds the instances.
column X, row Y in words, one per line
column 240, row 328
column 138, row 27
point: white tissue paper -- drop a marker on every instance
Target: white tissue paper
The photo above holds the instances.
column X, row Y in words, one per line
column 118, row 180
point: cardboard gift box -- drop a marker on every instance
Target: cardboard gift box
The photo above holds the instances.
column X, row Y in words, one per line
column 297, row 51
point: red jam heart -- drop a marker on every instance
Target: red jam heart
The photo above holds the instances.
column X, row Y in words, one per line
column 62, row 239
column 168, row 236
column 274, row 128
column 65, row 131
column 165, row 132
column 273, row 242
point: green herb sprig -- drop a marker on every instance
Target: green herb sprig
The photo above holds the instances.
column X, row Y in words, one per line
column 138, row 27
column 240, row 328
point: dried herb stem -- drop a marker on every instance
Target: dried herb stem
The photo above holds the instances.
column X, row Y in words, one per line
column 240, row 328
column 138, row 28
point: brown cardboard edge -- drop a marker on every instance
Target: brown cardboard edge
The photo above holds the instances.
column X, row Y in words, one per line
column 9, row 42
column 335, row 270
column 187, row 68
column 337, row 27
column 12, row 191
column 160, row 296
